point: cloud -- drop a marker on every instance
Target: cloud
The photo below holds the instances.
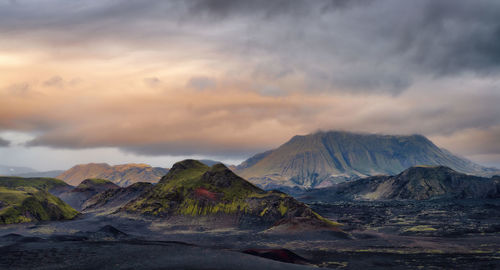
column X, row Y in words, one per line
column 55, row 81
column 201, row 83
column 4, row 143
column 274, row 69
column 152, row 81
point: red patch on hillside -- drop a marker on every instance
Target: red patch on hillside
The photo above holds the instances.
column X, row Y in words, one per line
column 204, row 193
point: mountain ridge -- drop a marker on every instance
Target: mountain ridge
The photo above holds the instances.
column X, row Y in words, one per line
column 122, row 175
column 414, row 183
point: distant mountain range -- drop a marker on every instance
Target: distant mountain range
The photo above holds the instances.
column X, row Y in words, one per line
column 27, row 172
column 325, row 158
column 415, row 183
column 122, row 175
column 14, row 170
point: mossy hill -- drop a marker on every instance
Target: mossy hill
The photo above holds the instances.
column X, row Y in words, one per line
column 28, row 200
column 122, row 175
column 192, row 189
column 415, row 183
column 86, row 190
column 324, row 158
column 51, row 185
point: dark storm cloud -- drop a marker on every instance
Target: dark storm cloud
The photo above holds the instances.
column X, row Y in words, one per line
column 355, row 46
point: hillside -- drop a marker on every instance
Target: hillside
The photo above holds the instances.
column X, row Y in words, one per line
column 415, row 183
column 215, row 197
column 324, row 158
column 122, row 175
column 86, row 190
column 28, row 200
column 112, row 199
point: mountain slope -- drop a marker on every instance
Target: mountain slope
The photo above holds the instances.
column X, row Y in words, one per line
column 122, row 175
column 215, row 196
column 28, row 200
column 415, row 183
column 324, row 158
column 86, row 190
column 112, row 199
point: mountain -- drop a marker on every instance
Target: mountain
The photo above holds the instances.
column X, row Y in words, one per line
column 28, row 200
column 193, row 192
column 86, row 190
column 13, row 170
column 415, row 183
column 324, row 158
column 112, row 199
column 122, row 175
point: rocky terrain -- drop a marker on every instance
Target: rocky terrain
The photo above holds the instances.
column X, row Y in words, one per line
column 325, row 158
column 415, row 183
column 112, row 199
column 122, row 175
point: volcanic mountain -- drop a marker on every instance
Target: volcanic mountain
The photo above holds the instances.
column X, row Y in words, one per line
column 194, row 193
column 324, row 158
column 29, row 200
column 86, row 190
column 415, row 183
column 122, row 175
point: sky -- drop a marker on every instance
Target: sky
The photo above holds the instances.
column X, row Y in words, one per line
column 155, row 81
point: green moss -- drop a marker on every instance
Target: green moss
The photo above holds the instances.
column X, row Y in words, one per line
column 283, row 209
column 327, row 221
column 421, row 228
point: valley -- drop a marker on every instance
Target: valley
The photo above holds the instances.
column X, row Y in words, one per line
column 207, row 217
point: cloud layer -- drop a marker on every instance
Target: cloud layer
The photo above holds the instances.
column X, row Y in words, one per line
column 231, row 78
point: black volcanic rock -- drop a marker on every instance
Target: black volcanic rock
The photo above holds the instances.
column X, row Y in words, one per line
column 324, row 158
column 112, row 199
column 415, row 183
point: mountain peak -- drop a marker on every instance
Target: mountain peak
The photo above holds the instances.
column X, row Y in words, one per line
column 94, row 183
column 328, row 157
column 188, row 168
column 188, row 164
